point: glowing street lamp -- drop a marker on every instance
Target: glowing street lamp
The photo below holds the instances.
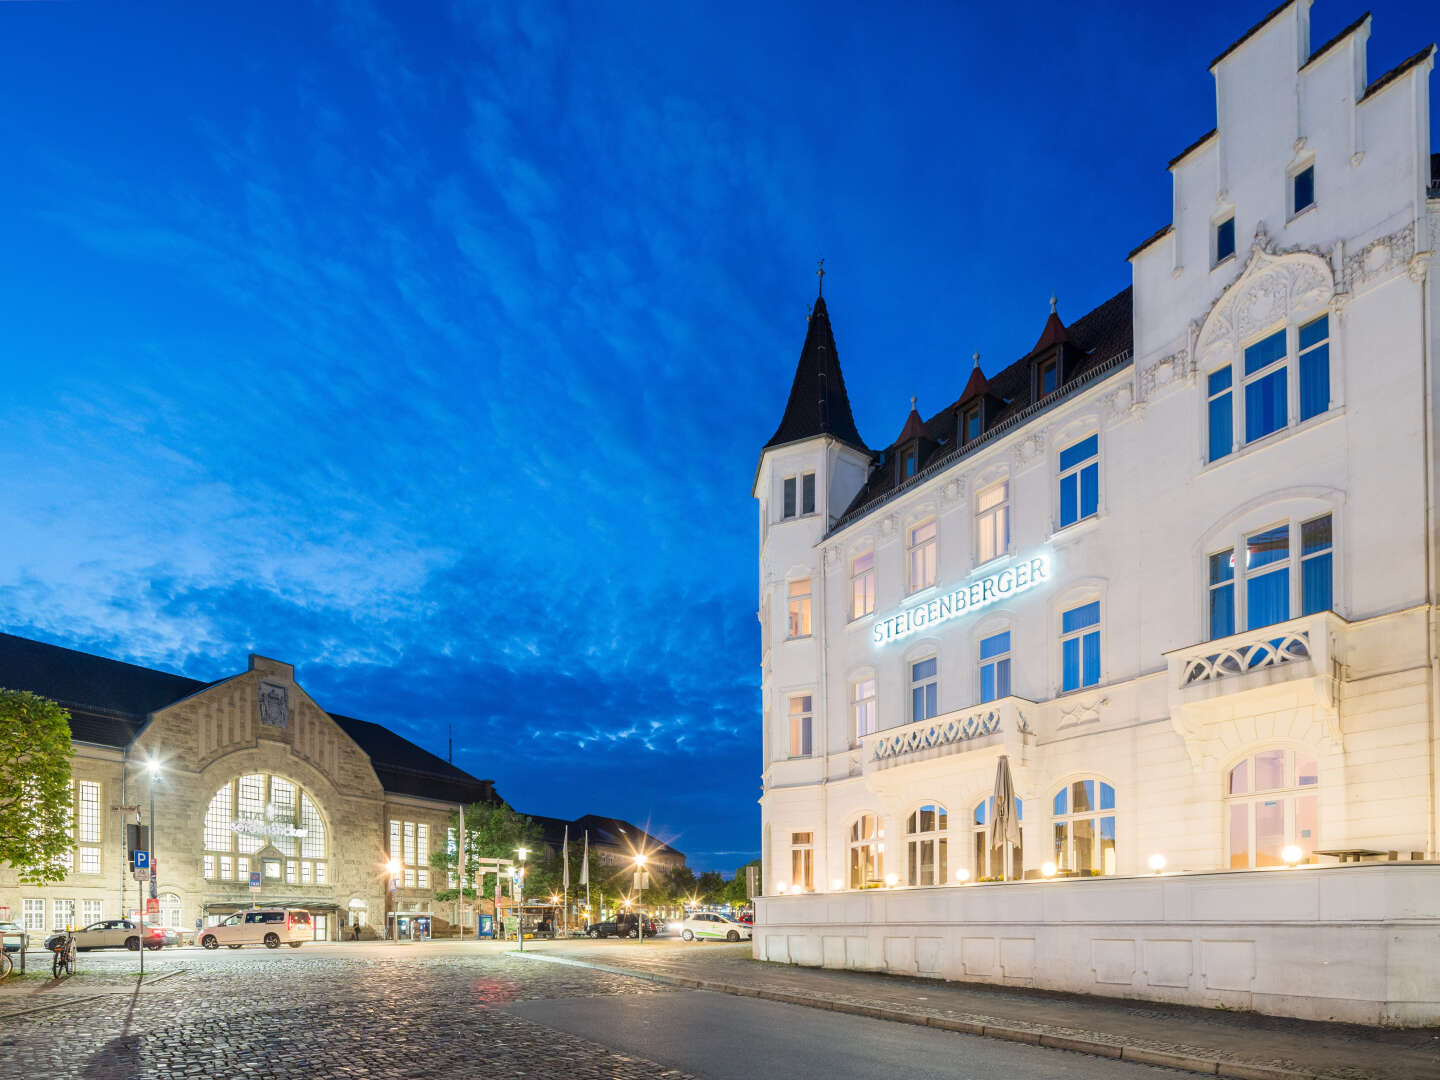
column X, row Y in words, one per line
column 891, row 880
column 640, row 860
column 962, row 875
column 1048, row 870
column 519, row 880
column 1292, row 855
column 1157, row 863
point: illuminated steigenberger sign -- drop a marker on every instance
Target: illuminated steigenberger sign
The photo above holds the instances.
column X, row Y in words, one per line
column 962, row 601
column 270, row 828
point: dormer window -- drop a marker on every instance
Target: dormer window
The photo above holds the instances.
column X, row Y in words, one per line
column 908, row 467
column 1047, row 377
column 972, row 426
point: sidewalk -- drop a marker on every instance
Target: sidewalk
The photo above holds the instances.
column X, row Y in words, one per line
column 1211, row 1042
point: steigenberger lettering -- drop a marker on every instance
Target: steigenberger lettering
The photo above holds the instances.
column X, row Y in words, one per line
column 967, row 598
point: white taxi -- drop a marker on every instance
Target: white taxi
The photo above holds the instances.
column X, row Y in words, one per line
column 708, row 926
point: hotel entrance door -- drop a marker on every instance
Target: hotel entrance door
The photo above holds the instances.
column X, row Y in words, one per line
column 321, row 923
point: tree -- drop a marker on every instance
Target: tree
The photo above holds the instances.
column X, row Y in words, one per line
column 492, row 831
column 35, row 799
column 737, row 888
column 711, row 886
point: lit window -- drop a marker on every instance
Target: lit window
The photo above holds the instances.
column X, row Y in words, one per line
column 1047, row 378
column 1222, row 593
column 1314, row 345
column 320, row 873
column 924, row 689
column 282, row 798
column 801, row 714
column 395, row 850
column 89, row 812
column 422, row 844
column 1080, row 647
column 312, row 845
column 1316, row 566
column 1304, row 189
column 209, row 864
column 807, row 493
column 1080, row 481
column 1266, row 408
column 218, row 833
column 802, row 861
column 995, row 666
column 923, row 556
column 800, row 608
column 242, row 868
column 862, row 696
column 862, row 582
column 1085, row 828
column 1221, row 413
column 89, row 860
column 225, row 867
column 409, row 859
column 305, row 870
column 789, row 508
column 290, row 875
column 926, row 832
column 1271, row 803
column 170, row 910
column 272, row 869
column 867, row 852
column 990, row 862
column 1225, row 239
column 992, row 521
column 1267, row 577
column 409, row 878
column 251, row 807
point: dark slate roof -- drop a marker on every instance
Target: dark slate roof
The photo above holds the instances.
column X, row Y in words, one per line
column 1201, row 141
column 1156, row 235
column 616, row 832
column 818, row 403
column 1102, row 337
column 1341, row 36
column 109, row 702
column 1395, row 72
column 1250, row 33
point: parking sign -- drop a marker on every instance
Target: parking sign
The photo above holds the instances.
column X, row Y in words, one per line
column 142, row 860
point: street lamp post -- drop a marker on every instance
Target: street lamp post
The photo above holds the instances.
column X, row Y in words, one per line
column 640, row 892
column 152, row 767
column 520, row 898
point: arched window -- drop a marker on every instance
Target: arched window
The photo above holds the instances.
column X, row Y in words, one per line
column 170, row 910
column 867, row 852
column 258, row 810
column 990, row 862
column 925, row 844
column 1271, row 803
column 1085, row 828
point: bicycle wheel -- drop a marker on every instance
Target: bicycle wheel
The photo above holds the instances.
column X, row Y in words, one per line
column 7, row 965
column 70, row 955
column 57, row 965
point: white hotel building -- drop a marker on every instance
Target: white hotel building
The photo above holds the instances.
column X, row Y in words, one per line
column 1177, row 563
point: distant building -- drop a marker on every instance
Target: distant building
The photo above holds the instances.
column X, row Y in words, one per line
column 613, row 841
column 256, row 778
column 1177, row 563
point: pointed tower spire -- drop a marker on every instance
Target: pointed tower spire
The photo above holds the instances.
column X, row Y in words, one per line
column 914, row 426
column 818, row 403
column 1054, row 332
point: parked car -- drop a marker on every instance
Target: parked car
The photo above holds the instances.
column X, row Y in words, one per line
column 11, row 945
column 270, row 927
column 621, row 926
column 708, row 926
column 111, row 934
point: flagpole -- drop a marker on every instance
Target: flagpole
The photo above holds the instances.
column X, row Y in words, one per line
column 565, row 880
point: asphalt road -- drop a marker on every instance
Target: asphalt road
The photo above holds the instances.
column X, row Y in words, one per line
column 720, row 1037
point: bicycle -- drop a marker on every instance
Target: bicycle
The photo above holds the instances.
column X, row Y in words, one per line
column 7, row 965
column 64, row 960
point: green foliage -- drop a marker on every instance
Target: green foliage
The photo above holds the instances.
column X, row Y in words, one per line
column 710, row 886
column 735, row 891
column 35, row 797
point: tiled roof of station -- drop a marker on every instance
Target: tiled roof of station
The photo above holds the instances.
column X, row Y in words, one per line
column 1100, row 339
column 615, row 832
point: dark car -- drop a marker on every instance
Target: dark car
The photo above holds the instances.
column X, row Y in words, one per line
column 621, row 926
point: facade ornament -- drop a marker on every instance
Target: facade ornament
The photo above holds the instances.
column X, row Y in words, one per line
column 953, row 491
column 832, row 557
column 1419, row 264
column 1029, row 450
column 1272, row 288
column 1382, row 256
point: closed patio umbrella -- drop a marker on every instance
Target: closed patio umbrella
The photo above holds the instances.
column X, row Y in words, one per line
column 1005, row 820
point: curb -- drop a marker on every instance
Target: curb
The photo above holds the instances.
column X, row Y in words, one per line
column 65, row 1003
column 1118, row 1051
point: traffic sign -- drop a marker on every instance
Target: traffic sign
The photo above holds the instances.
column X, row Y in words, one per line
column 142, row 860
column 255, row 879
column 142, row 873
column 152, row 906
column 124, row 809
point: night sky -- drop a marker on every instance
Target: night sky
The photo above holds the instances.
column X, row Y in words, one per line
column 431, row 347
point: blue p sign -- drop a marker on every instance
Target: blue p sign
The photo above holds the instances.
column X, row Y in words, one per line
column 142, row 860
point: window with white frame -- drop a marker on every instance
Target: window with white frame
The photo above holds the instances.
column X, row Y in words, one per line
column 1261, row 589
column 305, row 873
column 992, row 521
column 291, row 873
column 801, row 718
column 995, row 666
column 926, row 839
column 1267, row 576
column 1080, row 647
column 208, row 866
column 862, row 585
column 800, row 608
column 1271, row 802
column 1221, row 593
column 1084, row 821
column 1080, row 480
column 1317, row 570
column 789, row 506
column 91, row 911
column 225, row 868
column 990, row 862
column 862, row 698
column 923, row 555
column 802, row 861
column 170, row 910
column 924, row 689
column 87, row 822
column 409, row 877
column 267, row 810
column 799, row 495
column 1268, row 379
column 409, row 859
column 62, row 914
column 242, row 868
column 32, row 913
column 866, row 849
column 1220, row 412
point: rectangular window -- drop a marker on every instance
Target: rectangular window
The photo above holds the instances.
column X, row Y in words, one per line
column 1080, row 481
column 992, row 521
column 995, row 666
column 225, row 869
column 242, row 869
column 409, row 858
column 789, row 511
column 1221, row 413
column 801, row 714
column 63, row 912
column 251, row 806
column 217, row 821
column 973, row 429
column 1314, row 344
column 89, row 860
column 304, row 873
column 1267, row 577
column 802, row 861
column 423, row 878
column 1266, row 400
column 319, row 873
column 409, row 878
column 862, row 694
column 1222, row 593
column 1225, row 239
column 209, row 866
column 909, row 464
column 395, row 849
column 862, row 585
column 1080, row 646
column 422, row 844
column 923, row 556
column 1316, row 566
column 33, row 913
column 924, row 689
column 1304, row 188
column 91, row 911
column 800, row 608
column 89, row 812
column 1047, row 378
column 290, row 874
column 807, row 493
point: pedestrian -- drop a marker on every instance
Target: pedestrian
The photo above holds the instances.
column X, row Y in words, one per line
column 357, row 927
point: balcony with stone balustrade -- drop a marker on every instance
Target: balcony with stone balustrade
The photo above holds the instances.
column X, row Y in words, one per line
column 980, row 732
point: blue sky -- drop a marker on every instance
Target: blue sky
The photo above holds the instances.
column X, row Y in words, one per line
column 431, row 347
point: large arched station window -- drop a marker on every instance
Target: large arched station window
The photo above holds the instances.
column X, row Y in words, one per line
column 258, row 813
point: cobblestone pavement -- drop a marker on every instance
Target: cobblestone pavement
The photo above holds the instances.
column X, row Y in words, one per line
column 1329, row 1051
column 355, row 1011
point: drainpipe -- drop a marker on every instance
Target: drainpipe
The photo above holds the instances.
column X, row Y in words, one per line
column 1432, row 628
column 822, row 639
